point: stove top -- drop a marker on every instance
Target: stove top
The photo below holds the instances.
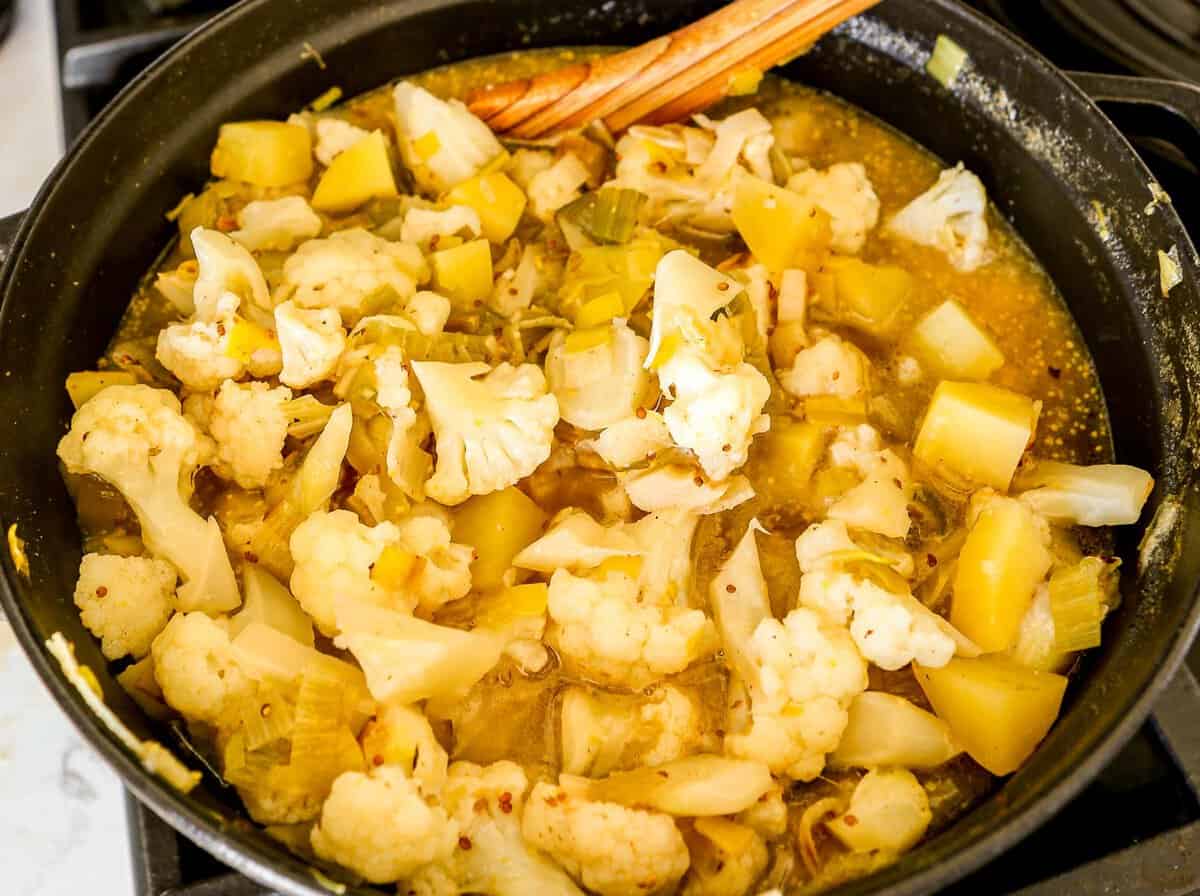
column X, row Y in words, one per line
column 1135, row 831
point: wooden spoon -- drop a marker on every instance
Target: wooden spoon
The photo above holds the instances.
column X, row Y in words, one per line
column 668, row 78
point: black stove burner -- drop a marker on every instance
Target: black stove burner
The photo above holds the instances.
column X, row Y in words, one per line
column 1135, row 831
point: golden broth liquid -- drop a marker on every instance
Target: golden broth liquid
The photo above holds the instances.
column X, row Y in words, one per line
column 512, row 716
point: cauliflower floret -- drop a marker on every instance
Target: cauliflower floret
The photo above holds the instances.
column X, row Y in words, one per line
column 558, row 185
column 225, row 269
column 334, row 137
column 197, row 353
column 822, row 545
column 441, row 142
column 137, row 440
column 950, row 216
column 125, row 601
column 421, row 225
column 381, row 826
column 429, row 311
column 715, row 414
column 492, row 856
column 888, row 813
column 577, row 542
column 493, row 426
column 632, row 440
column 196, row 669
column 249, row 423
column 600, row 385
column 830, row 366
column 611, row 850
column 602, row 732
column 601, row 627
column 349, row 269
column 277, row 224
column 443, row 569
column 717, row 398
column 807, row 672
column 845, row 193
column 681, row 488
column 880, row 502
column 891, row 630
column 334, row 555
column 727, row 858
column 311, row 343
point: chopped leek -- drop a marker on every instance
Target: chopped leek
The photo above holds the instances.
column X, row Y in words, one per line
column 266, row 718
column 325, row 100
column 1079, row 597
column 627, row 270
column 607, row 216
column 947, row 61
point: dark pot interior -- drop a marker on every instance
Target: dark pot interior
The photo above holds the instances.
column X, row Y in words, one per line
column 1046, row 154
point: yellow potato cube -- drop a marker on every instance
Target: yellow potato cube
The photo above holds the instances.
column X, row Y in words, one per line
column 1001, row 564
column 951, row 344
column 977, row 431
column 504, row 610
column 780, row 228
column 393, row 568
column 600, row 310
column 867, row 296
column 790, row 453
column 591, row 337
column 263, row 153
column 464, row 273
column 497, row 526
column 85, row 384
column 360, row 173
column 996, row 708
column 498, row 201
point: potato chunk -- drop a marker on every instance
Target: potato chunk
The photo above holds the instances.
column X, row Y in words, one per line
column 869, row 297
column 996, row 708
column 977, row 431
column 464, row 274
column 952, row 345
column 1001, row 564
column 263, row 153
column 780, row 228
column 361, row 173
column 497, row 526
column 789, row 455
column 499, row 202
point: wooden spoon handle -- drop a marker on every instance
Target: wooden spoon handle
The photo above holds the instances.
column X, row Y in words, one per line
column 667, row 78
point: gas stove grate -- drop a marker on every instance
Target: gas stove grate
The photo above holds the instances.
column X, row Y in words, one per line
column 1165, row 864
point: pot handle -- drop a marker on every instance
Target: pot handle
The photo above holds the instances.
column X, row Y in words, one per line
column 8, row 234
column 1179, row 97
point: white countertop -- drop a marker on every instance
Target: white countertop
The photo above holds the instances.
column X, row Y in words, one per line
column 62, row 828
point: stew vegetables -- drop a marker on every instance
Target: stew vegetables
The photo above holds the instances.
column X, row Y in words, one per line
column 711, row 508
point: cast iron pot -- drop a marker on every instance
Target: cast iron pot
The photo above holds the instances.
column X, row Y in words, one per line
column 1057, row 167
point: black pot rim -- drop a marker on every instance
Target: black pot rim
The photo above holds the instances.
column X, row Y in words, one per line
column 185, row 816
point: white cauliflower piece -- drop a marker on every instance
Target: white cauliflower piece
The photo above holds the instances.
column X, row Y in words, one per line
column 196, row 669
column 950, row 216
column 349, row 270
column 610, row 849
column 443, row 569
column 891, row 630
column 807, row 672
column 600, row 385
column 441, row 142
column 717, row 398
column 632, row 440
column 493, row 426
column 515, row 288
column 249, row 423
column 715, row 414
column 311, row 343
column 137, row 440
column 831, row 366
column 125, row 601
column 334, row 555
column 880, row 502
column 381, row 826
column 421, row 225
column 276, row 224
column 824, row 545
column 492, row 856
column 197, row 353
column 676, row 487
column 603, row 628
column 577, row 542
column 843, row 191
column 429, row 311
column 889, row 813
column 800, row 674
column 334, row 137
column 665, row 539
column 225, row 269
